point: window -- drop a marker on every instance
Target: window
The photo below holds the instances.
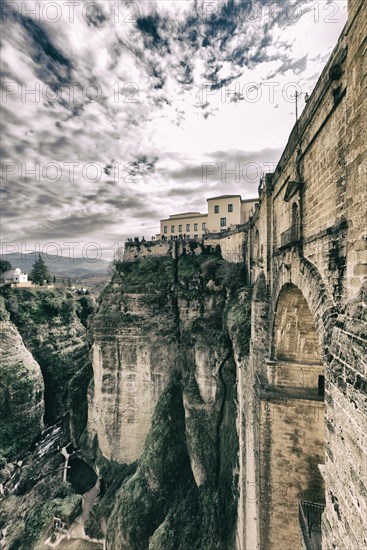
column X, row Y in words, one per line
column 195, row 226
column 216, row 209
column 295, row 223
column 294, row 213
column 187, row 227
column 180, row 228
column 165, row 228
column 203, row 226
column 195, row 236
column 172, row 228
column 230, row 208
column 223, row 222
column 256, row 244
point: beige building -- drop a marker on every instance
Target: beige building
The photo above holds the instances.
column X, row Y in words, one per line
column 191, row 225
column 228, row 210
column 224, row 212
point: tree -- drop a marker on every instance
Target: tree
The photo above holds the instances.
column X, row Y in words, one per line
column 40, row 273
column 5, row 266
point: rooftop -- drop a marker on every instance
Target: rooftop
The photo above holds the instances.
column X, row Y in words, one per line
column 223, row 197
column 185, row 215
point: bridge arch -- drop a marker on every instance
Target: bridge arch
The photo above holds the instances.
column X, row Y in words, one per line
column 292, row 408
column 301, row 273
column 294, row 331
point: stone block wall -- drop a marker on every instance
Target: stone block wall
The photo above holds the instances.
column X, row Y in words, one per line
column 322, row 176
column 345, row 520
column 291, row 447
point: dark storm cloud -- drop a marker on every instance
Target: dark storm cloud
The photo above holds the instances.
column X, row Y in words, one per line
column 125, row 203
column 267, row 155
column 147, row 214
column 169, row 54
column 189, row 173
column 153, row 28
column 186, row 173
column 94, row 15
column 251, row 23
column 142, row 165
column 181, row 192
column 52, row 66
column 71, row 226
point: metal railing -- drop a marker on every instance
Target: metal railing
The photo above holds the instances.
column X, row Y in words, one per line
column 310, row 514
column 292, row 235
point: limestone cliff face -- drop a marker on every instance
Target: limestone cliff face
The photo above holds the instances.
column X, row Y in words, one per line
column 21, row 393
column 164, row 396
column 133, row 357
column 49, row 324
column 62, row 350
column 44, row 373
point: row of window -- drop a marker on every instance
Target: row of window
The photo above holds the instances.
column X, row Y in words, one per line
column 196, row 226
column 216, row 208
column 223, row 223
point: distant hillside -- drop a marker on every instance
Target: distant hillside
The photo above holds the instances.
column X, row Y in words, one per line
column 59, row 265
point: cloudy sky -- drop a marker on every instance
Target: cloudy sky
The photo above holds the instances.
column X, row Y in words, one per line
column 116, row 114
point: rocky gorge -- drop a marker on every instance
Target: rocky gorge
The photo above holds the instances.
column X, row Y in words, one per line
column 146, row 395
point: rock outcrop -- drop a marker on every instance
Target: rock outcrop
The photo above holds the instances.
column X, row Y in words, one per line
column 21, row 393
column 133, row 357
column 164, row 397
column 52, row 331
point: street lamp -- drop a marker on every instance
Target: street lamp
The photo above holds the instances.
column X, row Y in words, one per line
column 297, row 95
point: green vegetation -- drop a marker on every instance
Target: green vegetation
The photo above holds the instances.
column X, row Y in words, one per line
column 40, row 273
column 4, row 314
column 78, row 388
column 228, row 451
column 155, row 503
column 112, row 475
column 160, row 484
column 238, row 321
column 36, row 307
column 153, row 274
column 5, row 266
column 86, row 307
column 49, row 324
column 40, row 517
column 160, row 506
column 195, row 271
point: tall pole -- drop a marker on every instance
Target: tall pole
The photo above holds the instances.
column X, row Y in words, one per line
column 296, row 99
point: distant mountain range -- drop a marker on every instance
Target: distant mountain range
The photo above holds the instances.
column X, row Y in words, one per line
column 58, row 265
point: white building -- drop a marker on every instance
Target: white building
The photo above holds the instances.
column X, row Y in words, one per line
column 14, row 276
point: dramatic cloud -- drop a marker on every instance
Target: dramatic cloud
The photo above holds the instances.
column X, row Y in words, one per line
column 118, row 113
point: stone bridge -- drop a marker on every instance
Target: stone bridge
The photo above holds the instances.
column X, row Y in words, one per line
column 305, row 418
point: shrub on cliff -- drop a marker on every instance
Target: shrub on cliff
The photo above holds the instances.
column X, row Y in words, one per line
column 238, row 315
column 153, row 274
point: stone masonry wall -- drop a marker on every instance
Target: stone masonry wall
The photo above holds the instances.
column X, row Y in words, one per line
column 291, row 446
column 320, row 186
